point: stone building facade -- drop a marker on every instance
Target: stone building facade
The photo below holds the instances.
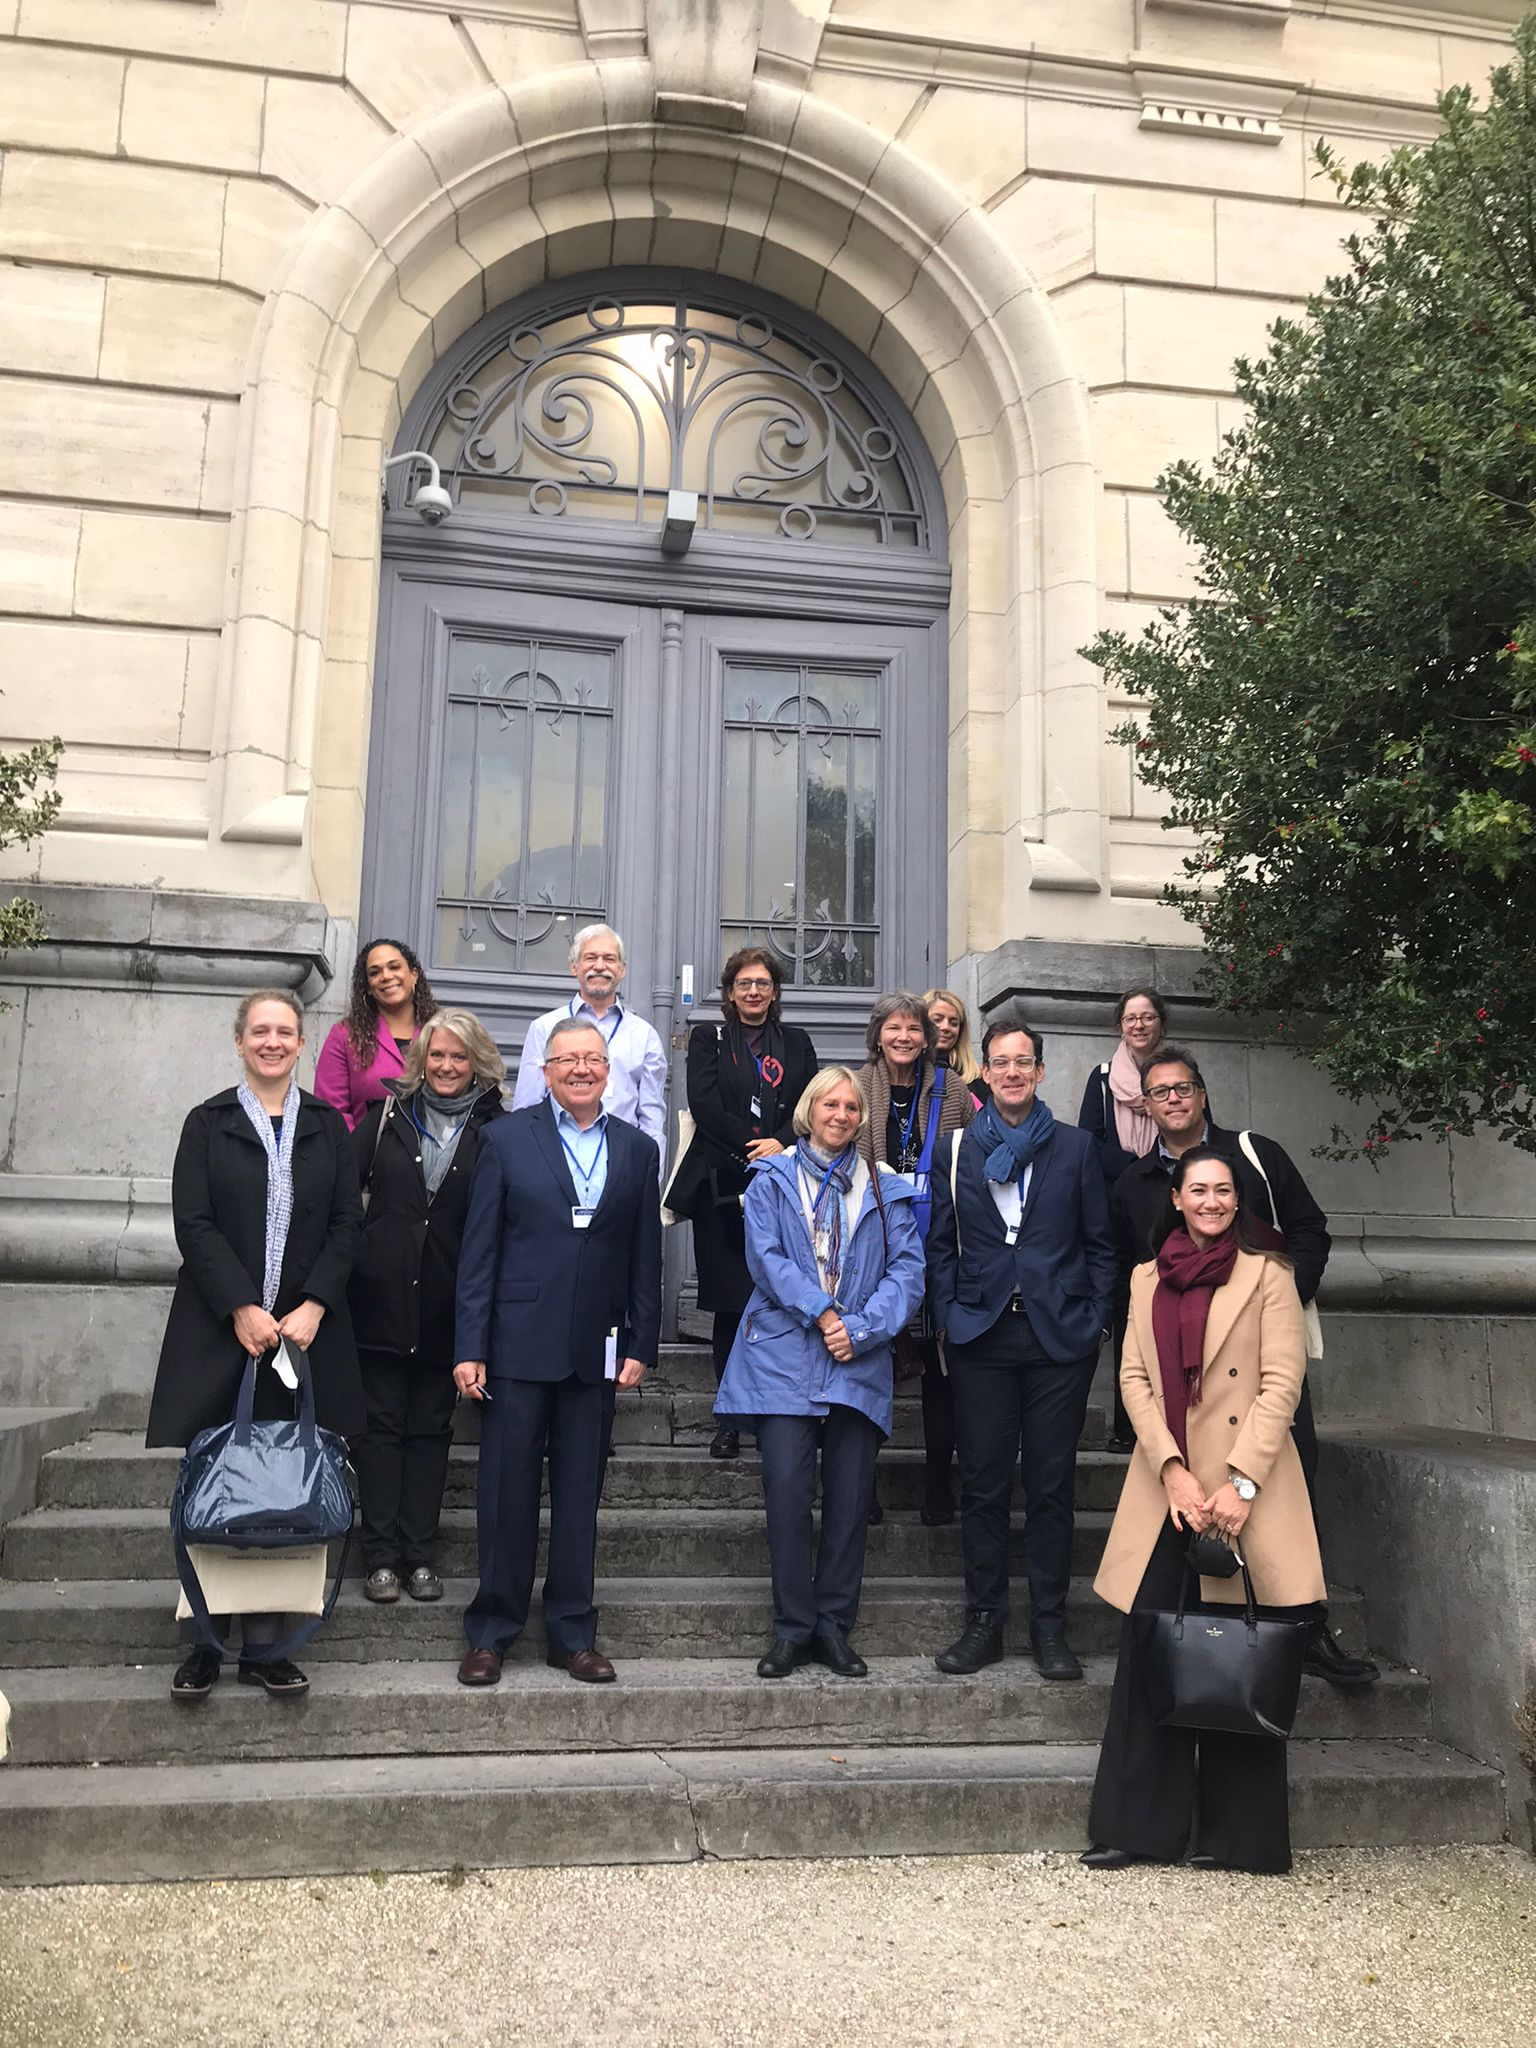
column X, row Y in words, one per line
column 1001, row 257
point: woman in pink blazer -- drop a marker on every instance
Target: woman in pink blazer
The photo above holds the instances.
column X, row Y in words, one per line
column 391, row 1000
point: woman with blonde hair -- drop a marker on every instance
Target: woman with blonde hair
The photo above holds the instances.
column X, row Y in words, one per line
column 415, row 1159
column 837, row 1267
column 952, row 1046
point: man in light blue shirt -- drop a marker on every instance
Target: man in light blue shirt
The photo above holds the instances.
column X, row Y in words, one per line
column 637, row 1065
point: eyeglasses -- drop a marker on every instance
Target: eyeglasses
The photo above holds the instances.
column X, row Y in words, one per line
column 1016, row 1066
column 745, row 986
column 578, row 1062
column 1171, row 1090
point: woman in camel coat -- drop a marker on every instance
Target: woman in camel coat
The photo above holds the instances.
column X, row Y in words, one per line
column 1211, row 1372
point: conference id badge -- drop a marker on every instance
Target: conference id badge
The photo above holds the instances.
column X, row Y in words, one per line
column 910, row 1179
column 756, row 1106
column 1011, row 1233
column 611, row 1354
column 581, row 1219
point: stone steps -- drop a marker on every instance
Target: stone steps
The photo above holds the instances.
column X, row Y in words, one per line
column 317, row 1816
column 112, row 1469
column 135, row 1543
column 116, row 1714
column 128, row 1621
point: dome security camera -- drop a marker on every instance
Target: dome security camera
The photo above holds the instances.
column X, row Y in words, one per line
column 432, row 503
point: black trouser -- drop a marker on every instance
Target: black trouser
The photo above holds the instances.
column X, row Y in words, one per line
column 938, row 1420
column 1304, row 1435
column 817, row 1585
column 1162, row 1792
column 1008, row 1393
column 569, row 1418
column 722, row 1336
column 402, row 1458
column 1120, row 1316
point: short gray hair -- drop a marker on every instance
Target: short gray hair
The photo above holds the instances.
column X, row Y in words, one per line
column 564, row 1029
column 486, row 1062
column 900, row 1004
column 597, row 931
column 822, row 1084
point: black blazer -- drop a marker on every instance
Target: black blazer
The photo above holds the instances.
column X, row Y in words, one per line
column 1097, row 1118
column 721, row 1090
column 402, row 1289
column 537, row 1298
column 1142, row 1208
column 1063, row 1264
column 219, row 1207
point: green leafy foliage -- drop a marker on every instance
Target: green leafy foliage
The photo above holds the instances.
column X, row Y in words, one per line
column 1346, row 714
column 28, row 803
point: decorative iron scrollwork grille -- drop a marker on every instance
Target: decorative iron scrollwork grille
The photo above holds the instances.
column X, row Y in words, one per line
column 600, row 407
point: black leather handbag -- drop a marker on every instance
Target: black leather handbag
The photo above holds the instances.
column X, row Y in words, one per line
column 1233, row 1673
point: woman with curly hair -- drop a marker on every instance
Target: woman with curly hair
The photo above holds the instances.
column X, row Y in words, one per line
column 390, row 991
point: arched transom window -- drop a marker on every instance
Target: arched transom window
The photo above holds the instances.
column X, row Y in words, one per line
column 599, row 406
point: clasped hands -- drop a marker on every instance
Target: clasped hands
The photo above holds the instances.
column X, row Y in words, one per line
column 835, row 1335
column 1190, row 1508
column 260, row 1332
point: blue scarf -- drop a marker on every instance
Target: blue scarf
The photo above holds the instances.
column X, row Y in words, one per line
column 835, row 1172
column 1012, row 1147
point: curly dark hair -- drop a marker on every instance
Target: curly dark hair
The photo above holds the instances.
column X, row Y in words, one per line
column 362, row 1018
column 751, row 956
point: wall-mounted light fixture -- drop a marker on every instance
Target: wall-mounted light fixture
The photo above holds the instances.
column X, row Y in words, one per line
column 682, row 516
column 430, row 502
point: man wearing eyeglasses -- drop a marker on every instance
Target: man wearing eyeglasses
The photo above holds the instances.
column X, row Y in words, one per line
column 559, row 1303
column 1141, row 1207
column 1021, row 1265
column 637, row 1066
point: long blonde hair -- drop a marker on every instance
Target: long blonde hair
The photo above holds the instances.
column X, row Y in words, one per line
column 490, row 1069
column 962, row 1060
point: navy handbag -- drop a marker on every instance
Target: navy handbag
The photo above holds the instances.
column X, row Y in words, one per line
column 247, row 1485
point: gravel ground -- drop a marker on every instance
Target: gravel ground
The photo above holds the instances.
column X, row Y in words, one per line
column 1356, row 1949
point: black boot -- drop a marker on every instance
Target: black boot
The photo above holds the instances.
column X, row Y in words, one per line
column 1327, row 1658
column 725, row 1443
column 1052, row 1651
column 979, row 1642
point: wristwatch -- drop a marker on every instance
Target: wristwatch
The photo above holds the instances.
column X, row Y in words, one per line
column 1243, row 1488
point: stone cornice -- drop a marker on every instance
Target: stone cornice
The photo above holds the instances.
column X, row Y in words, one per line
column 142, row 939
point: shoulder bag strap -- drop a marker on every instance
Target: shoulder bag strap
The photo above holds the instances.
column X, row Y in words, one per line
column 1250, row 1152
column 874, row 1181
column 954, row 1186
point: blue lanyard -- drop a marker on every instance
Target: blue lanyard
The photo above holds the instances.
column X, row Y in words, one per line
column 426, row 1136
column 917, row 1089
column 596, row 1023
column 586, row 1177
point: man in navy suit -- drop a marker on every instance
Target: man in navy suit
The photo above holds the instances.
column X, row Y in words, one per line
column 559, row 1302
column 1021, row 1268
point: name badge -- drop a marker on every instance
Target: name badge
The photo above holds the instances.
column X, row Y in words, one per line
column 1012, row 1233
column 909, row 1178
column 611, row 1355
column 581, row 1219
column 756, row 1105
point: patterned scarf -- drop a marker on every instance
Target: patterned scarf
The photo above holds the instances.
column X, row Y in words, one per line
column 1012, row 1147
column 279, row 1181
column 1187, row 1276
column 829, row 1178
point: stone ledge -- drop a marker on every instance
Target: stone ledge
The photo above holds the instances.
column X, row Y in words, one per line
column 1437, row 1528
column 148, row 938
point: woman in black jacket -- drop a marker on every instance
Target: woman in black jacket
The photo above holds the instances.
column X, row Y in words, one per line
column 265, row 1207
column 745, row 1076
column 416, row 1154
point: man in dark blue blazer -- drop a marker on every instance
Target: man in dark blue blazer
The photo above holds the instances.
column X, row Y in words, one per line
column 559, row 1302
column 1021, row 1269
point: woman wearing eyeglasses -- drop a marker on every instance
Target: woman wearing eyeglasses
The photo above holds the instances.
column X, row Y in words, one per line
column 745, row 1076
column 1114, row 1113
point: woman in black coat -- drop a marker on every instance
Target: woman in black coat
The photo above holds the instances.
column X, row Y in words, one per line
column 744, row 1078
column 415, row 1155
column 256, row 1269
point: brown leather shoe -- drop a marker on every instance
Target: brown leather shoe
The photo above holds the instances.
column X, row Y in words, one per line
column 480, row 1667
column 588, row 1665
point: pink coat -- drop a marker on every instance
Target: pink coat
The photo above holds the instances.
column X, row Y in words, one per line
column 342, row 1081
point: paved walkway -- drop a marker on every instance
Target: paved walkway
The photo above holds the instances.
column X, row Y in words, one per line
column 1395, row 1948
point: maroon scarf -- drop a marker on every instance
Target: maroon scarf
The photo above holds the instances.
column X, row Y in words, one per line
column 1187, row 1276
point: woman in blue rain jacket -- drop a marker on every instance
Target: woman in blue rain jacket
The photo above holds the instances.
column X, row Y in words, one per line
column 837, row 1266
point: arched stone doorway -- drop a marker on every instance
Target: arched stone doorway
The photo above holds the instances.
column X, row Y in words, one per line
column 742, row 741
